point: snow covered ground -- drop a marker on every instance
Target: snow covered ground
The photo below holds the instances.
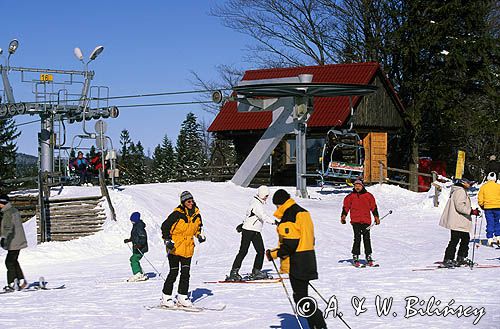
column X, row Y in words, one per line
column 94, row 268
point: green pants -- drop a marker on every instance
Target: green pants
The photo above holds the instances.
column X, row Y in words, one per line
column 135, row 263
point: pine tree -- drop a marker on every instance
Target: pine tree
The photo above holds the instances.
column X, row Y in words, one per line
column 137, row 164
column 8, row 148
column 190, row 154
column 124, row 157
column 164, row 162
column 450, row 76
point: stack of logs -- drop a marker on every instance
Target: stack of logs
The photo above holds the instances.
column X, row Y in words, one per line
column 72, row 218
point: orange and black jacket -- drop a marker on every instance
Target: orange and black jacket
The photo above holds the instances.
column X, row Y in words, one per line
column 296, row 235
column 181, row 226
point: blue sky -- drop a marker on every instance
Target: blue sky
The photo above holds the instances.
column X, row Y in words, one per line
column 150, row 46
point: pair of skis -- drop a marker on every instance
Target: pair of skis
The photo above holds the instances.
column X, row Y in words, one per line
column 439, row 265
column 41, row 284
column 192, row 309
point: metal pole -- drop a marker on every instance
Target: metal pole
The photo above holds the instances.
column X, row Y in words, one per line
column 46, row 144
column 6, row 84
column 300, row 158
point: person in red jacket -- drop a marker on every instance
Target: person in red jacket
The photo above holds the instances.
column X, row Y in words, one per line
column 360, row 203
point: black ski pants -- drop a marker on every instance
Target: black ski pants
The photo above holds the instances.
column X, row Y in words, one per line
column 13, row 269
column 255, row 238
column 360, row 230
column 463, row 250
column 175, row 261
column 299, row 287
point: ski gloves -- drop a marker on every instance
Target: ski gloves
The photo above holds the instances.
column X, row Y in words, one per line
column 136, row 246
column 342, row 219
column 2, row 242
column 475, row 212
column 239, row 228
column 169, row 244
column 201, row 238
column 271, row 254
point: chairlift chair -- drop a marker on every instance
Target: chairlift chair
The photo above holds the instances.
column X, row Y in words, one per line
column 334, row 168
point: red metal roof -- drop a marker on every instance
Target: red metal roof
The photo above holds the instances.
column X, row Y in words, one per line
column 328, row 111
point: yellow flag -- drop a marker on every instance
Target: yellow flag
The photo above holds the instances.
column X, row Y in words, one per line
column 459, row 171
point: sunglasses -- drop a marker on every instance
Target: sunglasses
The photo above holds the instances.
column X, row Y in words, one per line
column 189, row 201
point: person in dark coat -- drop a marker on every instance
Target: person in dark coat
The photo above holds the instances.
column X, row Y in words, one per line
column 296, row 236
column 360, row 203
column 139, row 239
column 13, row 239
column 81, row 166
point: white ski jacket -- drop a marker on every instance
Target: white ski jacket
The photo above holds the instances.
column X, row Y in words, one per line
column 255, row 216
column 456, row 215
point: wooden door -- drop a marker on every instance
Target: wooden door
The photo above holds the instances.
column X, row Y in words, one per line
column 375, row 144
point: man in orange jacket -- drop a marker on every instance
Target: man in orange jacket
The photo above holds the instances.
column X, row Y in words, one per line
column 296, row 235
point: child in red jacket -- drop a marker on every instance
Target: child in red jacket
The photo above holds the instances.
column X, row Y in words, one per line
column 360, row 203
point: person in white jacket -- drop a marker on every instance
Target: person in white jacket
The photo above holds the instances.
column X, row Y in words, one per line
column 250, row 233
column 457, row 218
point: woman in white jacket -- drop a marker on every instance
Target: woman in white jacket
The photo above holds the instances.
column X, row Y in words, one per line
column 457, row 218
column 250, row 233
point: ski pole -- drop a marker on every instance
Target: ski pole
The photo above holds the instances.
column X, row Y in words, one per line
column 480, row 226
column 373, row 224
column 326, row 302
column 474, row 245
column 286, row 292
column 154, row 268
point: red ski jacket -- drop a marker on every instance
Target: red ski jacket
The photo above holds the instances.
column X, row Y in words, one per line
column 360, row 204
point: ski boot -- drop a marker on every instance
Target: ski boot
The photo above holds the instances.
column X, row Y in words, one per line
column 234, row 275
column 9, row 288
column 184, row 301
column 448, row 263
column 258, row 275
column 137, row 277
column 490, row 242
column 355, row 261
column 22, row 284
column 167, row 301
column 369, row 261
column 463, row 261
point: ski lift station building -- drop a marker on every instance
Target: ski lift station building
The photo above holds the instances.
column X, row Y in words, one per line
column 377, row 118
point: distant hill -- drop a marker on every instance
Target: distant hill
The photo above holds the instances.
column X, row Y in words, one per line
column 25, row 159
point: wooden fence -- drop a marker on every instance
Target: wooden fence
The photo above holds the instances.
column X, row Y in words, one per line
column 383, row 169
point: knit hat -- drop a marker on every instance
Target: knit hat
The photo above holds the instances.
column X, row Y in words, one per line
column 135, row 217
column 492, row 177
column 4, row 199
column 280, row 197
column 186, row 195
column 262, row 191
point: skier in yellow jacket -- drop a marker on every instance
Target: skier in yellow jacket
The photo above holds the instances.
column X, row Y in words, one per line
column 489, row 200
column 296, row 235
column 178, row 232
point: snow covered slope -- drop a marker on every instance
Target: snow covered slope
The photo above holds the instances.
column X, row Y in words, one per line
column 94, row 268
